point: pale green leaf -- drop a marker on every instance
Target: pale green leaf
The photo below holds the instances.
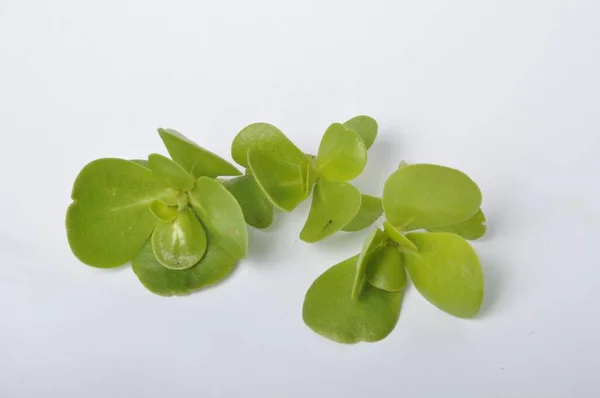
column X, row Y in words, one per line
column 471, row 229
column 181, row 243
column 429, row 196
column 329, row 311
column 447, row 272
column 365, row 126
column 334, row 204
column 142, row 162
column 397, row 236
column 194, row 159
column 386, row 271
column 342, row 154
column 222, row 215
column 284, row 183
column 163, row 212
column 267, row 139
column 169, row 173
column 214, row 266
column 372, row 244
column 257, row 209
column 369, row 212
column 110, row 220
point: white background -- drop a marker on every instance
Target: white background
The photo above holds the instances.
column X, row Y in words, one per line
column 507, row 91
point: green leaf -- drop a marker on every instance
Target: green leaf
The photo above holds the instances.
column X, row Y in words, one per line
column 142, row 162
column 447, row 272
column 429, row 196
column 170, row 174
column 194, row 159
column 329, row 311
column 214, row 266
column 268, row 140
column 374, row 242
column 369, row 212
column 365, row 126
column 179, row 244
column 110, row 220
column 258, row 211
column 222, row 215
column 471, row 229
column 386, row 271
column 342, row 154
column 284, row 183
column 163, row 212
column 334, row 204
column 397, row 236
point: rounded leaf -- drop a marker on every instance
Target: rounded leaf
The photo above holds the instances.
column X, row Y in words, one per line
column 386, row 271
column 163, row 212
column 329, row 311
column 447, row 272
column 342, row 154
column 181, row 243
column 267, row 139
column 365, row 126
column 429, row 196
column 170, row 174
column 369, row 212
column 371, row 246
column 403, row 242
column 285, row 184
column 222, row 216
column 194, row 159
column 334, row 204
column 257, row 209
column 471, row 229
column 110, row 220
column 214, row 266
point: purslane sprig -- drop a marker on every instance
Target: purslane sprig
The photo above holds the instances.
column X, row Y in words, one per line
column 359, row 299
column 181, row 222
column 286, row 176
column 182, row 228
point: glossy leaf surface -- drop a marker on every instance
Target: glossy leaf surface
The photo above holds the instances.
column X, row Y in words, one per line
column 447, row 272
column 214, row 266
column 471, row 229
column 257, row 209
column 396, row 236
column 386, row 271
column 163, row 212
column 329, row 311
column 267, row 139
column 342, row 154
column 429, row 196
column 222, row 215
column 170, row 174
column 369, row 212
column 193, row 158
column 181, row 243
column 334, row 204
column 372, row 244
column 110, row 220
column 365, row 126
column 284, row 183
